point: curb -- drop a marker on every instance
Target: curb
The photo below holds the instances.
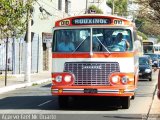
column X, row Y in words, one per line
column 155, row 109
column 13, row 87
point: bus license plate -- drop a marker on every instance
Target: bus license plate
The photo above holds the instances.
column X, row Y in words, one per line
column 90, row 90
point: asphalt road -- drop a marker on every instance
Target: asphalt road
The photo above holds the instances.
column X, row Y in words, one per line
column 37, row 100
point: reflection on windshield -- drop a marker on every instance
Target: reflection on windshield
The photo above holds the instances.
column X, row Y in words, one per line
column 143, row 61
column 103, row 40
column 153, row 56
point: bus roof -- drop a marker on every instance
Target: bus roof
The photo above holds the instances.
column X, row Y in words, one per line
column 148, row 42
column 94, row 19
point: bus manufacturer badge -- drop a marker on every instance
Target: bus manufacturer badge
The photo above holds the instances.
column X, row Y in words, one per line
column 92, row 67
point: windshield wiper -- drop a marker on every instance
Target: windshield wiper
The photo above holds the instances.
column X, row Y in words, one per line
column 103, row 45
column 98, row 41
column 79, row 46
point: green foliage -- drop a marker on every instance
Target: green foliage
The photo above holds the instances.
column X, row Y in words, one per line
column 158, row 40
column 139, row 23
column 109, row 3
column 13, row 16
column 147, row 27
column 96, row 9
column 142, row 35
column 149, row 12
column 120, row 6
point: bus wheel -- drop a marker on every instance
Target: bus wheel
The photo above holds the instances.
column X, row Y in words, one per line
column 133, row 97
column 63, row 101
column 125, row 102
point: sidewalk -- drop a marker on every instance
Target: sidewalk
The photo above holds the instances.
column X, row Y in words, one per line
column 17, row 81
column 155, row 109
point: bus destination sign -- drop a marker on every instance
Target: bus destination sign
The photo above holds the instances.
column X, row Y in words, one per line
column 147, row 43
column 90, row 21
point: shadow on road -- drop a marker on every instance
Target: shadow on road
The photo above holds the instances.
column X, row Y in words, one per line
column 93, row 103
column 51, row 103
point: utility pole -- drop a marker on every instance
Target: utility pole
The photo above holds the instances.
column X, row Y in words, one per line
column 27, row 77
column 86, row 6
column 6, row 69
column 14, row 54
column 112, row 7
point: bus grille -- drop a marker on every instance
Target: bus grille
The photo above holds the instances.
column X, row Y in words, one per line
column 91, row 73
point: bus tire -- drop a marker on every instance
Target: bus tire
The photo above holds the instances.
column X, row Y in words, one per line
column 125, row 102
column 133, row 97
column 63, row 101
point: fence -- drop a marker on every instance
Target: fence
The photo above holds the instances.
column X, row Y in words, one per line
column 18, row 54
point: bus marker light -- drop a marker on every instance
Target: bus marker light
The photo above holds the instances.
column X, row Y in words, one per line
column 121, row 91
column 60, row 90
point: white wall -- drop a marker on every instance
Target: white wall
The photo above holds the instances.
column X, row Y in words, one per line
column 42, row 21
column 78, row 7
column 45, row 23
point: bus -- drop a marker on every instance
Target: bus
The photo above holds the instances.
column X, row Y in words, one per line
column 87, row 60
column 148, row 47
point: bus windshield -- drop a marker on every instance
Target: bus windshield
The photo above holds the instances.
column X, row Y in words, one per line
column 148, row 47
column 103, row 40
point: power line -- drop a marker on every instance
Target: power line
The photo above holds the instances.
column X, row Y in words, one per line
column 56, row 8
column 42, row 9
column 49, row 5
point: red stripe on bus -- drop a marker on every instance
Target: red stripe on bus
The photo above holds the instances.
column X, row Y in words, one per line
column 95, row 55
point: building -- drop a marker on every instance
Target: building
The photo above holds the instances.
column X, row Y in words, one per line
column 133, row 7
column 45, row 13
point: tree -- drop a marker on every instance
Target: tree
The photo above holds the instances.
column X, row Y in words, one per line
column 95, row 9
column 144, row 37
column 155, row 4
column 158, row 40
column 13, row 16
column 120, row 6
column 149, row 9
column 149, row 12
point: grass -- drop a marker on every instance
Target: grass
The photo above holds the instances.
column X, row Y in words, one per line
column 2, row 77
column 34, row 84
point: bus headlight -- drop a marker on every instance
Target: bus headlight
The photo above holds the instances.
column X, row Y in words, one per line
column 58, row 78
column 124, row 79
column 118, row 78
column 67, row 78
column 115, row 79
column 147, row 70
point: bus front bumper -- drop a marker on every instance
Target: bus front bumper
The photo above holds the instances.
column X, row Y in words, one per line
column 92, row 91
